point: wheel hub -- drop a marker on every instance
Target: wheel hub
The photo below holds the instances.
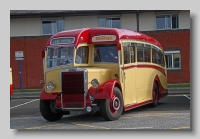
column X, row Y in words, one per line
column 116, row 103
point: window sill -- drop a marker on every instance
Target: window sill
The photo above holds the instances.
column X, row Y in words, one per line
column 168, row 29
column 174, row 70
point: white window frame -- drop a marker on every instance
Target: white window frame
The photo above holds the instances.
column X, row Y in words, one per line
column 53, row 19
column 157, row 15
column 172, row 54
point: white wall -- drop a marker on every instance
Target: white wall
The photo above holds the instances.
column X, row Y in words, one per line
column 33, row 26
column 25, row 27
column 184, row 20
column 76, row 22
column 128, row 21
column 17, row 27
column 147, row 21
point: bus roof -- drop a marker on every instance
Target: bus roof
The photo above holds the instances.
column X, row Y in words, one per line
column 85, row 35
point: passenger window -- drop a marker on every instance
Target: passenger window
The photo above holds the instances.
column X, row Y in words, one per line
column 154, row 55
column 126, row 54
column 143, row 52
column 161, row 60
column 147, row 52
column 132, row 52
column 82, row 53
column 157, row 56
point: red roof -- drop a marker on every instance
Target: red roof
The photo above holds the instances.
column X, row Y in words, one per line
column 86, row 34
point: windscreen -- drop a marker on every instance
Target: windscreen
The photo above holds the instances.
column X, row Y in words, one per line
column 105, row 53
column 58, row 56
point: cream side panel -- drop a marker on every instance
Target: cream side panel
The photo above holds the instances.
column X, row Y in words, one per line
column 129, row 94
column 113, row 72
column 163, row 80
column 11, row 80
column 104, row 75
column 151, row 73
column 184, row 19
column 93, row 74
column 144, row 80
column 147, row 21
column 55, row 77
column 128, row 21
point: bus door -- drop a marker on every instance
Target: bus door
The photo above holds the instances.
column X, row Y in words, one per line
column 128, row 73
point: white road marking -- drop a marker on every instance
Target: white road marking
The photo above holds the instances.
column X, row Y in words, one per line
column 24, row 103
column 137, row 128
column 186, row 96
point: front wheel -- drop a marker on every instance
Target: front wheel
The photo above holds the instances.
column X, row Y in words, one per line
column 48, row 112
column 111, row 109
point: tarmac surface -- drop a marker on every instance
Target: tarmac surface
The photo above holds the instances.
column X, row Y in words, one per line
column 36, row 95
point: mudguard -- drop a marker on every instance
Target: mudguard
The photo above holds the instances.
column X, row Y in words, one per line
column 47, row 96
column 162, row 91
column 104, row 90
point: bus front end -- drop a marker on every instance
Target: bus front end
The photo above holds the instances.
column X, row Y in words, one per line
column 74, row 88
column 80, row 87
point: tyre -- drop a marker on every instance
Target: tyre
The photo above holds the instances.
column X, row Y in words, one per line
column 48, row 112
column 111, row 109
column 155, row 95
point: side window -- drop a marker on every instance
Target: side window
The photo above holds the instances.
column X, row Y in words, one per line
column 143, row 52
column 82, row 54
column 155, row 56
column 147, row 52
column 132, row 52
column 161, row 61
column 126, row 52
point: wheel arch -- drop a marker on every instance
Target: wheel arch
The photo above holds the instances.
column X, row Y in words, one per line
column 47, row 96
column 105, row 90
column 157, row 81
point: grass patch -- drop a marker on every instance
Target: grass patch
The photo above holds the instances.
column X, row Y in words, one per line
column 27, row 90
column 178, row 85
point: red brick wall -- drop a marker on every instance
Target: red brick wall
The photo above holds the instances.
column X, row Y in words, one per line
column 31, row 65
column 32, row 47
column 176, row 40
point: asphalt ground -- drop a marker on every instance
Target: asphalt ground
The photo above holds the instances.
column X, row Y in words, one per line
column 36, row 95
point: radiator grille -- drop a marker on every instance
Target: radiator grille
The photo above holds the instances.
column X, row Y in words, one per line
column 73, row 89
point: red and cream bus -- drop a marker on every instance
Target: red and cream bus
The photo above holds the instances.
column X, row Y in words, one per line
column 101, row 69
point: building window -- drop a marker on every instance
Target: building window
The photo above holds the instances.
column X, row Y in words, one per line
column 50, row 27
column 173, row 59
column 109, row 22
column 170, row 21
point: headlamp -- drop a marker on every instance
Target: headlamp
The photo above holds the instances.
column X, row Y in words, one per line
column 95, row 83
column 51, row 85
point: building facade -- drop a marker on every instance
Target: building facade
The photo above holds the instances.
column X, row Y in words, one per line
column 30, row 30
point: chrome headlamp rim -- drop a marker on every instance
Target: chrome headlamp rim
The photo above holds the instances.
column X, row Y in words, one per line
column 95, row 83
column 50, row 85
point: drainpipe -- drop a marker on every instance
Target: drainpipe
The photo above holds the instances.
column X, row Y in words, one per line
column 137, row 19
